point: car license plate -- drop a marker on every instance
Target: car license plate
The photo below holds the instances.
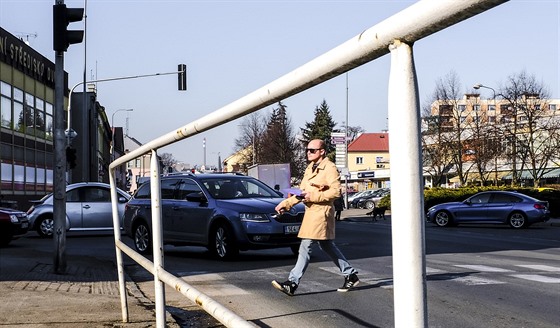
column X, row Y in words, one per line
column 291, row 229
column 24, row 225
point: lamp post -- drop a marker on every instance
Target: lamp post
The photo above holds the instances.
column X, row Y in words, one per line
column 113, row 130
column 478, row 86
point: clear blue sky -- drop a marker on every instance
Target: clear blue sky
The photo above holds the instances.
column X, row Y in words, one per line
column 232, row 48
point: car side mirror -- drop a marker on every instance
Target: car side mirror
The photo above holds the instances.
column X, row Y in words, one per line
column 196, row 197
column 468, row 202
column 122, row 199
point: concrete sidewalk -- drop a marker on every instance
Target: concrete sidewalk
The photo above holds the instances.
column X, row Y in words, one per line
column 86, row 296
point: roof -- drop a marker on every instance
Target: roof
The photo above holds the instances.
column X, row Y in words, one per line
column 378, row 142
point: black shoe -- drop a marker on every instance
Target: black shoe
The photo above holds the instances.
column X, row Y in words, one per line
column 287, row 287
column 350, row 282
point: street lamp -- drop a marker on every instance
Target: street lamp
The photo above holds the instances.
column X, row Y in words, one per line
column 113, row 129
column 478, row 86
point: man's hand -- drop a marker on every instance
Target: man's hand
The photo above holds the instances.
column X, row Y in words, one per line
column 280, row 209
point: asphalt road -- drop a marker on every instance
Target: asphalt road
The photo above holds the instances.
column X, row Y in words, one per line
column 477, row 276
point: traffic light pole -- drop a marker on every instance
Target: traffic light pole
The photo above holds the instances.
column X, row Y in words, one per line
column 62, row 38
column 70, row 134
column 59, row 204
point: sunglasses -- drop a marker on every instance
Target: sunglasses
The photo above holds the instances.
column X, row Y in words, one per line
column 312, row 151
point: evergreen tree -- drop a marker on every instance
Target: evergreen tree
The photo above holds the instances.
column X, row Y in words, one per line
column 279, row 142
column 320, row 128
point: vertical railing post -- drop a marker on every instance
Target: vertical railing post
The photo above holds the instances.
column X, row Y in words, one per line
column 157, row 239
column 117, row 234
column 407, row 218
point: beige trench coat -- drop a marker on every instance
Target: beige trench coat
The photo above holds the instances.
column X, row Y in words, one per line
column 318, row 220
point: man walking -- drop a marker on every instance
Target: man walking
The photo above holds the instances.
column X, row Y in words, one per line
column 320, row 187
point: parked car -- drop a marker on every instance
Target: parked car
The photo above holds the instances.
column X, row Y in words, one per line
column 516, row 209
column 13, row 223
column 223, row 212
column 373, row 199
column 354, row 202
column 88, row 207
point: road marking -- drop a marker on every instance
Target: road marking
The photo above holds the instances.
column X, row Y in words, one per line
column 474, row 281
column 538, row 278
column 433, row 270
column 222, row 290
column 192, row 277
column 483, row 268
column 539, row 267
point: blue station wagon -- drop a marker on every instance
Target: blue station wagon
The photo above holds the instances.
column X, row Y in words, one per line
column 224, row 212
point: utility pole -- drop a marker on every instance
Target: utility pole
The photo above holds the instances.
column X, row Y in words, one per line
column 62, row 38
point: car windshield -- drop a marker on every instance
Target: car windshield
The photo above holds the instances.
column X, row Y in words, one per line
column 230, row 188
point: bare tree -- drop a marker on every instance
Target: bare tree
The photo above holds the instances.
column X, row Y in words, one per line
column 482, row 146
column 167, row 162
column 436, row 150
column 250, row 140
column 447, row 96
column 532, row 130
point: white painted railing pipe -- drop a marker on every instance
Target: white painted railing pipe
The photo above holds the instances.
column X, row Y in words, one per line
column 410, row 25
column 407, row 197
column 157, row 238
column 227, row 317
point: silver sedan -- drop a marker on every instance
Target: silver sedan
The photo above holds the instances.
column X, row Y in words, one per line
column 88, row 207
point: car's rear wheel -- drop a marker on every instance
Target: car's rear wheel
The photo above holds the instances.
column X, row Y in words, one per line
column 443, row 219
column 517, row 220
column 223, row 244
column 45, row 226
column 370, row 205
column 142, row 238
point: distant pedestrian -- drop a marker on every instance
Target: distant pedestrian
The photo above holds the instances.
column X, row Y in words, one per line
column 338, row 207
column 320, row 187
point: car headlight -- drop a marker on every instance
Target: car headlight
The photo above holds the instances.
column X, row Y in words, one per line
column 253, row 217
column 13, row 218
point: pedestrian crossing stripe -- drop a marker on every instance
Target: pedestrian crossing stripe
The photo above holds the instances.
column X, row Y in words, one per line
column 538, row 278
column 483, row 268
column 474, row 281
column 538, row 267
column 433, row 270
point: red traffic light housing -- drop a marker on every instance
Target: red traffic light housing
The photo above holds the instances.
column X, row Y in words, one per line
column 63, row 16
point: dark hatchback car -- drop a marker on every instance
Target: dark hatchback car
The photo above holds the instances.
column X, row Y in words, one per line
column 13, row 223
column 223, row 212
column 516, row 209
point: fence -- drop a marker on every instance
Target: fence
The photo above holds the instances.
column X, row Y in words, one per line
column 395, row 35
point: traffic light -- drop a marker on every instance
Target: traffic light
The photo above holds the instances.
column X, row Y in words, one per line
column 63, row 16
column 71, row 157
column 182, row 69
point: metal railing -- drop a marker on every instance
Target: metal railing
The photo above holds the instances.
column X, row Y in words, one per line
column 395, row 35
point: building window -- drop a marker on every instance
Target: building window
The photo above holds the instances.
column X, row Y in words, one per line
column 491, row 107
column 359, row 160
column 380, row 166
column 552, row 106
column 138, row 162
column 476, row 107
column 492, row 119
column 462, row 108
